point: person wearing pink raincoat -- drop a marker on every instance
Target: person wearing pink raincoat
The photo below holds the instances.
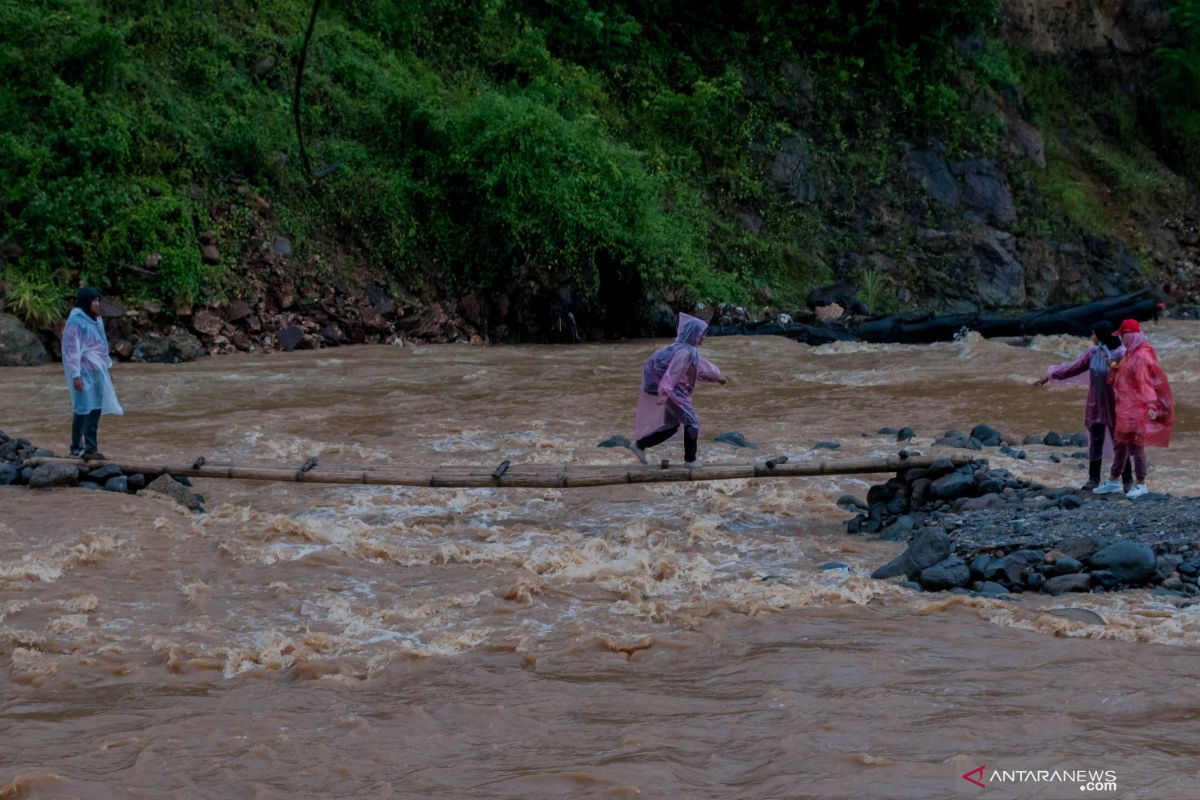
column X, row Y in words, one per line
column 665, row 409
column 1145, row 408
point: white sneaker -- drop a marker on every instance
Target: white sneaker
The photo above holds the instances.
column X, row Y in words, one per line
column 1108, row 487
column 693, row 464
column 638, row 453
column 1137, row 491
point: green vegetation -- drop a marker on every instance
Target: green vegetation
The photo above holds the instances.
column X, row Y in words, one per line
column 469, row 143
column 623, row 147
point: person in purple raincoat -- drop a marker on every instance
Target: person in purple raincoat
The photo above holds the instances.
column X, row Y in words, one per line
column 1099, row 415
column 665, row 409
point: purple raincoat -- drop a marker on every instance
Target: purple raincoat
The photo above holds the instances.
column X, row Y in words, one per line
column 1091, row 369
column 672, row 372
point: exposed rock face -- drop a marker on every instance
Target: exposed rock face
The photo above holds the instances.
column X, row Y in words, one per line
column 1127, row 27
column 19, row 347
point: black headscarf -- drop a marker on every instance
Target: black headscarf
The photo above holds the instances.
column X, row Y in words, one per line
column 87, row 294
column 1104, row 333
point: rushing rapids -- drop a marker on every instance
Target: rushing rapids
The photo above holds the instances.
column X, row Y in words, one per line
column 655, row 640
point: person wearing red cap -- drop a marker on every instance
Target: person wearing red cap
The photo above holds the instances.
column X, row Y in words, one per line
column 1145, row 408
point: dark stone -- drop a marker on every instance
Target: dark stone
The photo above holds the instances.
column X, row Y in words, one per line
column 1073, row 582
column 1078, row 440
column 1104, row 579
column 826, row 446
column 118, row 484
column 899, row 530
column 991, row 486
column 904, row 434
column 1053, row 440
column 979, row 564
column 1080, row 547
column 1064, row 566
column 614, row 441
column 1070, row 502
column 927, row 548
column 887, row 431
column 158, row 349
column 9, row 475
column 987, row 435
column 993, row 589
column 946, row 574
column 1165, row 565
column 289, row 337
column 1128, row 561
column 960, row 440
column 1014, row 566
column 102, row 474
column 50, row 475
column 137, row 482
column 914, row 586
column 850, row 502
column 880, row 494
column 1034, row 580
column 1055, row 458
column 832, row 565
column 1189, row 567
column 736, row 439
column 1152, row 497
column 920, row 491
column 95, row 487
column 940, row 467
column 953, row 486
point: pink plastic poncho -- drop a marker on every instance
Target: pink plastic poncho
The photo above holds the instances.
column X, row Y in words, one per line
column 1091, row 370
column 672, row 372
column 85, row 355
column 1145, row 406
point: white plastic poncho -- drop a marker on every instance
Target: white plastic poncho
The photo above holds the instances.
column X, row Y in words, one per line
column 85, row 355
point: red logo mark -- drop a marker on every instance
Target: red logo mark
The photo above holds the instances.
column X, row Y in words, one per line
column 978, row 781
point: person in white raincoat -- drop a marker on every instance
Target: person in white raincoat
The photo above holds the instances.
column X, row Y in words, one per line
column 86, row 362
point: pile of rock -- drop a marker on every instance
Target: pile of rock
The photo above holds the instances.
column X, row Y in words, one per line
column 109, row 477
column 980, row 529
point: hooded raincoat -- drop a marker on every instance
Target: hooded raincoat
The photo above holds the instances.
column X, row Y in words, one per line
column 672, row 373
column 85, row 355
column 1145, row 412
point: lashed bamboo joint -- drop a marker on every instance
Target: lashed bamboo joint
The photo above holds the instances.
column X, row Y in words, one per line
column 521, row 476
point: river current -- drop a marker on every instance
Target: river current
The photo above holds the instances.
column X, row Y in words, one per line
column 665, row 641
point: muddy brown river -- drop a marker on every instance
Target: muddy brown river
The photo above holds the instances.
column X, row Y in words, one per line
column 652, row 641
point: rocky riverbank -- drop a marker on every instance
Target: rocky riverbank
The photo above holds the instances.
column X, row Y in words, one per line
column 108, row 477
column 975, row 529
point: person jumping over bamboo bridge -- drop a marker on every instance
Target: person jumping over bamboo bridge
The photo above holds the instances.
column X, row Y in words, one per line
column 665, row 404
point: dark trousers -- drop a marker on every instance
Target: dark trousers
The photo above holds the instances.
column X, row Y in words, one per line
column 84, row 429
column 1096, row 452
column 690, row 435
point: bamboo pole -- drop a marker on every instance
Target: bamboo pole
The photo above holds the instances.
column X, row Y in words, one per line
column 515, row 476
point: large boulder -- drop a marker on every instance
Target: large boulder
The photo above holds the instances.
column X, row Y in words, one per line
column 19, row 347
column 158, row 349
column 50, row 475
column 1128, row 561
column 926, row 549
column 166, row 485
